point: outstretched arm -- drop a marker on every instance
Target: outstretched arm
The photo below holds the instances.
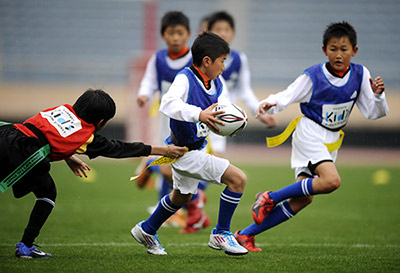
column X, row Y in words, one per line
column 170, row 151
column 77, row 166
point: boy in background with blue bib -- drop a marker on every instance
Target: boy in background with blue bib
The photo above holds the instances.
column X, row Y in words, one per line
column 188, row 103
column 327, row 93
column 236, row 75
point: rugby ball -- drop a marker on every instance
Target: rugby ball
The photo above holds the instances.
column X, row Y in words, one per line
column 235, row 119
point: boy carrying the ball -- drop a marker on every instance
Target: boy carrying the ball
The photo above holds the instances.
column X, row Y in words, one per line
column 26, row 150
column 189, row 104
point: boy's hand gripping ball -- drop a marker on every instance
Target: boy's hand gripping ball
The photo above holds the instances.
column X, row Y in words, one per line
column 235, row 119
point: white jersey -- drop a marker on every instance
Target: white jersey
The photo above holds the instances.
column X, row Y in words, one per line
column 173, row 103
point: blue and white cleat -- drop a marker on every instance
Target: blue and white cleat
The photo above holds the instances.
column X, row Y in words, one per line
column 151, row 242
column 22, row 251
column 225, row 240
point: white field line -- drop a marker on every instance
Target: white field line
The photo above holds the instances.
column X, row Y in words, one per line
column 327, row 245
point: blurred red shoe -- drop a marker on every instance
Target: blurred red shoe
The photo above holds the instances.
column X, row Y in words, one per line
column 197, row 218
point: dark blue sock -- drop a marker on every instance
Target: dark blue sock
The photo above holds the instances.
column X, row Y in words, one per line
column 227, row 205
column 279, row 214
column 300, row 188
column 164, row 210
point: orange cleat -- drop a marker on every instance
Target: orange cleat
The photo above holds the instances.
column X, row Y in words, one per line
column 247, row 242
column 262, row 207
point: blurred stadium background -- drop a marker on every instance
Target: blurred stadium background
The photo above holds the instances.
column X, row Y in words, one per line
column 51, row 51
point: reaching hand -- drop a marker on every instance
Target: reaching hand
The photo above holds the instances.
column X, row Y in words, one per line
column 208, row 117
column 378, row 86
column 77, row 166
column 175, row 151
column 264, row 107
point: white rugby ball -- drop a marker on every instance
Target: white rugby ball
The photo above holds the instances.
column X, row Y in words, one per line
column 235, row 119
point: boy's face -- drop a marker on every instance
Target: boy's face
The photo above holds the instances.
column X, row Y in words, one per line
column 176, row 37
column 339, row 52
column 224, row 30
column 214, row 69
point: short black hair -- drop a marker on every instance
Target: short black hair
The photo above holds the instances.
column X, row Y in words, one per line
column 208, row 44
column 220, row 16
column 95, row 105
column 340, row 30
column 173, row 18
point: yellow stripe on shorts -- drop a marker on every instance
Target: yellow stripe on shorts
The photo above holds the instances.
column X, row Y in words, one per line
column 279, row 139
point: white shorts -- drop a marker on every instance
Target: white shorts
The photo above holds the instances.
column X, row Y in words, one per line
column 194, row 166
column 308, row 145
column 217, row 143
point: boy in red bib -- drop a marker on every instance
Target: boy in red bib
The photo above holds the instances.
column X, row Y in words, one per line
column 63, row 131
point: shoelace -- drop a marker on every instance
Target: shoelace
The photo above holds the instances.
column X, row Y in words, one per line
column 156, row 239
column 229, row 236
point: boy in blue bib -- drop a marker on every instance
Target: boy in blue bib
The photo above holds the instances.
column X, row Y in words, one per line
column 327, row 93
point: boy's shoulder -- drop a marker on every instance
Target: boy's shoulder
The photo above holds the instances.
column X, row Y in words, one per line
column 163, row 51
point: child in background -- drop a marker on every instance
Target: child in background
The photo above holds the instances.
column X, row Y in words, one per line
column 327, row 93
column 57, row 134
column 189, row 102
column 236, row 74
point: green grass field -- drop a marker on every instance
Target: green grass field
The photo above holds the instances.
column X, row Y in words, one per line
column 355, row 229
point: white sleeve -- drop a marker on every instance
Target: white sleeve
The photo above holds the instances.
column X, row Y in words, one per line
column 173, row 103
column 298, row 91
column 149, row 84
column 246, row 93
column 372, row 106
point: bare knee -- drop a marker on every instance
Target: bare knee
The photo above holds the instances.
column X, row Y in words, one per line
column 179, row 199
column 235, row 179
column 331, row 183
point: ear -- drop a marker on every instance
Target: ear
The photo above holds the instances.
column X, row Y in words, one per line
column 324, row 50
column 206, row 61
column 355, row 49
column 100, row 124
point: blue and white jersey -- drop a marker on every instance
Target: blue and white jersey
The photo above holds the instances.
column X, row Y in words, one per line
column 165, row 71
column 187, row 133
column 330, row 105
column 231, row 73
column 161, row 71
